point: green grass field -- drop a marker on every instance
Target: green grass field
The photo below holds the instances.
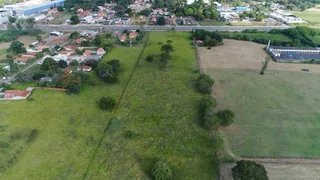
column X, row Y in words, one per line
column 310, row 16
column 276, row 115
column 157, row 119
column 281, row 37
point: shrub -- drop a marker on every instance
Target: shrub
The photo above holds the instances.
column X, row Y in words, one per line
column 62, row 64
column 161, row 171
column 150, row 58
column 32, row 136
column 225, row 117
column 107, row 103
column 204, row 84
column 217, row 142
column 249, row 170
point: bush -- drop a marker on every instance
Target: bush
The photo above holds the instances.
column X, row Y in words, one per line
column 217, row 142
column 225, row 117
column 107, row 103
column 150, row 58
column 161, row 171
column 209, row 120
column 92, row 63
column 249, row 170
column 32, row 136
column 62, row 64
column 204, row 84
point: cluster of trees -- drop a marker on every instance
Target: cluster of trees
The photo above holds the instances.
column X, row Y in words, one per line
column 298, row 4
column 249, row 170
column 252, row 15
column 209, row 39
column 165, row 56
column 161, row 171
column 199, row 11
column 12, row 34
column 108, row 70
column 16, row 47
column 302, row 34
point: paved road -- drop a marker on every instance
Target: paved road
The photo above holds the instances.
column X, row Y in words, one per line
column 83, row 27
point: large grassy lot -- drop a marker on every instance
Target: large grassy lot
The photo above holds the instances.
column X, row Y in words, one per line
column 312, row 15
column 157, row 119
column 276, row 115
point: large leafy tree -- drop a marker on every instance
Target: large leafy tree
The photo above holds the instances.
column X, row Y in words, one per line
column 107, row 103
column 108, row 70
column 74, row 19
column 17, row 47
column 49, row 64
column 161, row 21
column 165, row 56
column 71, row 82
column 245, row 170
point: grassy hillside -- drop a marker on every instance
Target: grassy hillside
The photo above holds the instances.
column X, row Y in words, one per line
column 276, row 115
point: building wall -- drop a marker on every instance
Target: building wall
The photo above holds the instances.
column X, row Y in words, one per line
column 42, row 8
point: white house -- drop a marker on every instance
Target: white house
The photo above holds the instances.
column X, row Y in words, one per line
column 100, row 52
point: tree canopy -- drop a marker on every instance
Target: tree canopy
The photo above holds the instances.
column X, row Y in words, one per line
column 245, row 170
column 161, row 171
column 16, row 47
column 49, row 64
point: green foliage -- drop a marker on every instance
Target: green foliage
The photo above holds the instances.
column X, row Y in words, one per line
column 71, row 82
column 107, row 103
column 199, row 11
column 150, row 58
column 225, row 117
column 74, row 63
column 74, row 35
column 32, row 136
column 209, row 39
column 265, row 65
column 13, row 66
column 49, row 64
column 161, row 171
column 60, row 8
column 204, row 84
column 38, row 75
column 12, row 19
column 74, row 20
column 245, row 170
column 23, row 78
column 108, row 70
column 217, row 141
column 208, row 120
column 17, row 47
column 92, row 63
column 145, row 12
column 62, row 64
column 161, row 21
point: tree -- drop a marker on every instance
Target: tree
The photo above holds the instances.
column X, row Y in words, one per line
column 166, row 49
column 225, row 117
column 71, row 82
column 60, row 8
column 245, row 170
column 161, row 21
column 146, row 12
column 74, row 20
column 108, row 70
column 13, row 66
column 30, row 22
column 204, row 84
column 161, row 171
column 17, row 47
column 49, row 64
column 74, row 35
column 149, row 58
column 39, row 38
column 265, row 65
column 18, row 25
column 62, row 64
column 107, row 103
column 12, row 19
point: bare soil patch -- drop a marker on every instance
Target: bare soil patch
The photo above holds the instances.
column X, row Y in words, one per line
column 244, row 55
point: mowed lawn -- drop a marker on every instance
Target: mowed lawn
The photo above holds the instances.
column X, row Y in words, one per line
column 276, row 115
column 158, row 120
column 69, row 127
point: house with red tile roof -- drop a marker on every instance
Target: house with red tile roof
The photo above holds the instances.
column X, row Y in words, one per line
column 123, row 38
column 17, row 94
column 71, row 48
column 24, row 59
column 133, row 35
column 80, row 10
column 87, row 52
column 78, row 41
column 67, row 70
column 84, row 68
column 100, row 52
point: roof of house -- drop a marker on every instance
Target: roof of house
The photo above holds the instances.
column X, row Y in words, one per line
column 133, row 34
column 123, row 37
column 22, row 59
column 85, row 13
column 41, row 47
column 78, row 41
column 71, row 47
column 15, row 93
column 67, row 70
column 87, row 52
column 86, row 67
column 100, row 50
column 64, row 52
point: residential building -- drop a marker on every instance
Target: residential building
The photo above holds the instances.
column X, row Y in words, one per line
column 123, row 38
column 87, row 53
column 67, row 70
column 101, row 51
column 133, row 35
column 17, row 94
column 84, row 68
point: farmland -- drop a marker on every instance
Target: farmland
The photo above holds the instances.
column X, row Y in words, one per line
column 311, row 15
column 276, row 114
column 75, row 140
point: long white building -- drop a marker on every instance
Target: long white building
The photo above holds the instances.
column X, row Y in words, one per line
column 4, row 15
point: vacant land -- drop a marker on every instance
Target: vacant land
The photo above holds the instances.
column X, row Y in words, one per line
column 276, row 114
column 282, row 171
column 154, row 121
column 245, row 55
column 311, row 15
column 268, row 36
column 24, row 39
